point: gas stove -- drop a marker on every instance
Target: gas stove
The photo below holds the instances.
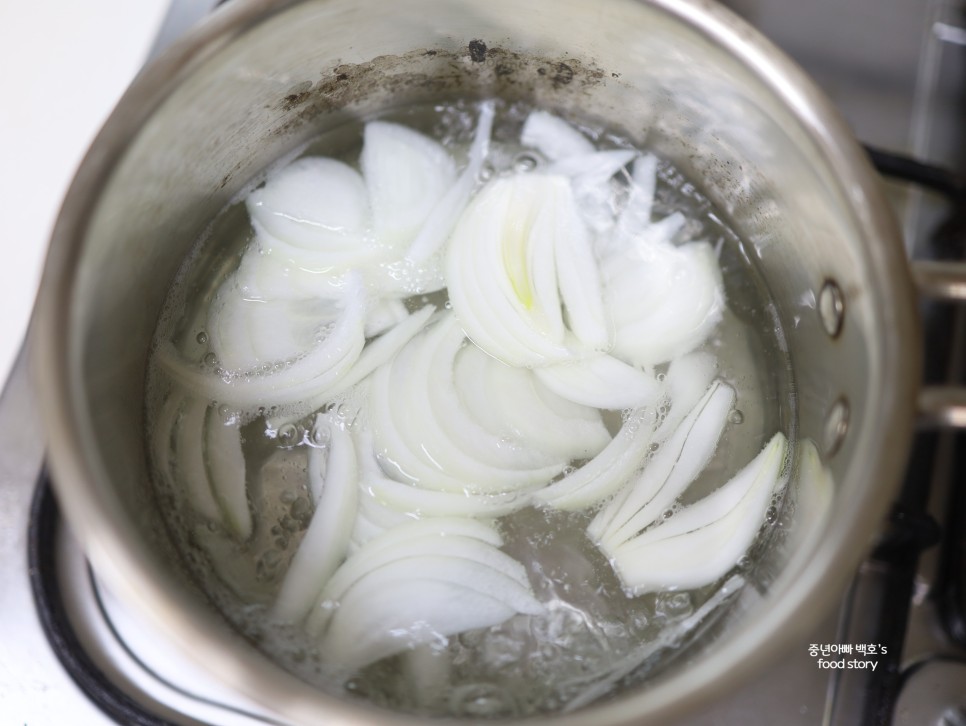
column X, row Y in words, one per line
column 894, row 652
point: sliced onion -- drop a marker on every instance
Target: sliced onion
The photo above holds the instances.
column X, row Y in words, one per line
column 189, row 449
column 390, row 540
column 501, row 272
column 384, row 315
column 313, row 204
column 815, row 488
column 246, row 330
column 671, row 470
column 601, row 381
column 413, row 501
column 688, row 379
column 636, row 215
column 607, row 472
column 579, row 279
column 386, row 615
column 374, row 518
column 407, row 174
column 422, row 502
column 553, row 137
column 325, row 542
column 594, row 190
column 315, row 374
column 436, row 356
column 165, row 424
column 664, row 300
column 432, row 544
column 594, row 168
column 409, row 433
column 226, row 471
column 329, row 261
column 377, row 353
column 266, row 271
column 439, row 225
column 416, row 600
column 702, row 542
column 512, row 403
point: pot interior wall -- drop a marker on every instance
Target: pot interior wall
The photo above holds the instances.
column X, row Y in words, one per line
column 311, row 66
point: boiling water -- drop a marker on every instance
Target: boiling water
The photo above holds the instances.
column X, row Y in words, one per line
column 593, row 637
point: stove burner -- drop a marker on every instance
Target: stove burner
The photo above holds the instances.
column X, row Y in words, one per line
column 42, row 569
column 158, row 687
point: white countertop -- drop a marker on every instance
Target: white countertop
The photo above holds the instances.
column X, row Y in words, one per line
column 64, row 65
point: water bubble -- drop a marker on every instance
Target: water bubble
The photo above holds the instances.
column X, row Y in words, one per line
column 319, row 436
column 771, row 514
column 301, row 510
column 289, row 524
column 736, row 417
column 288, row 435
column 210, row 359
column 482, row 700
column 287, row 496
column 525, row 162
column 271, row 558
column 673, row 604
column 202, row 337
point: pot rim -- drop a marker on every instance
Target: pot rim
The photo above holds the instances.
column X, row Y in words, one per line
column 117, row 554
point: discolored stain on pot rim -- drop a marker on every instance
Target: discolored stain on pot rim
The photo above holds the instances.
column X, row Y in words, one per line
column 477, row 70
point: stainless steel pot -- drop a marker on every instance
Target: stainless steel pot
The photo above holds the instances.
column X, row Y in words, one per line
column 684, row 77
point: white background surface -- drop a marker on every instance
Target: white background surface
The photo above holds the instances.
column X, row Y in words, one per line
column 63, row 65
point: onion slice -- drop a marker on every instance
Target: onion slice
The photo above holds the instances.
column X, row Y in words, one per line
column 664, row 300
column 553, row 137
column 579, row 278
column 268, row 272
column 501, row 269
column 189, row 451
column 226, row 471
column 420, row 598
column 511, row 403
column 389, row 614
column 315, row 374
column 672, row 468
column 636, row 214
column 439, row 224
column 325, row 542
column 247, row 330
column 443, row 529
column 601, row 381
column 420, row 502
column 314, row 204
column 409, row 430
column 377, row 352
column 607, row 472
column 407, row 174
column 702, row 542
